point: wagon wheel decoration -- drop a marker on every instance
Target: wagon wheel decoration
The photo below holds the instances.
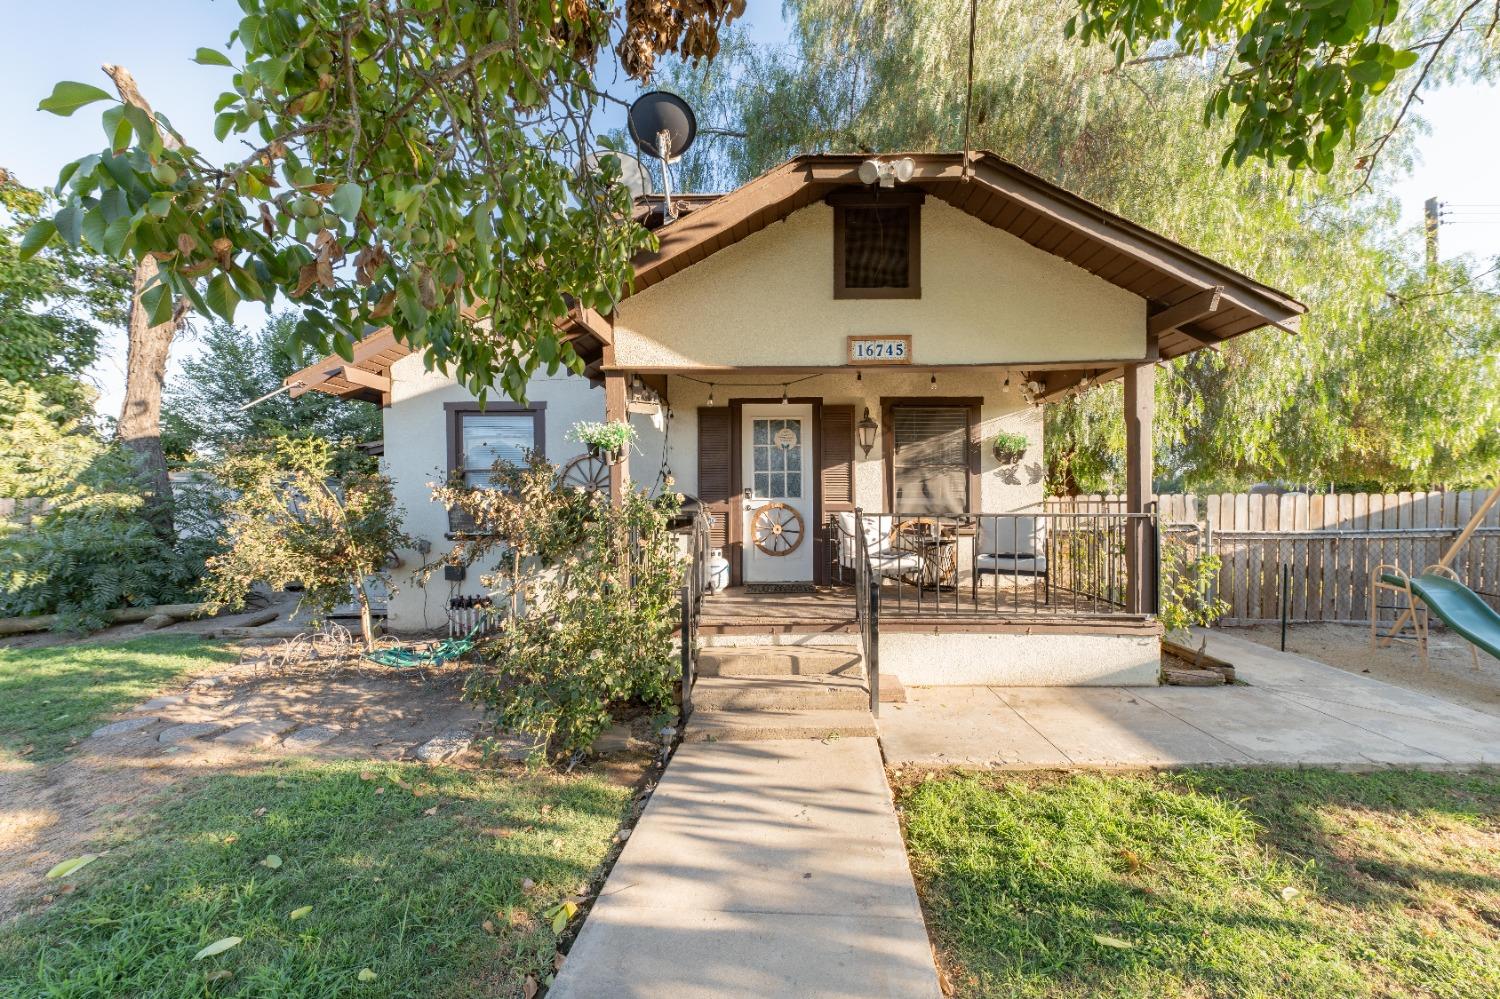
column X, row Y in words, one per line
column 777, row 529
column 586, row 473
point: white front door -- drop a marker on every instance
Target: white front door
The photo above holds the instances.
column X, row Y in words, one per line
column 778, row 477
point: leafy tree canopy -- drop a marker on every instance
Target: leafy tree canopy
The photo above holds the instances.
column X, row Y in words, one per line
column 1392, row 379
column 414, row 164
column 202, row 415
column 52, row 305
column 1300, row 77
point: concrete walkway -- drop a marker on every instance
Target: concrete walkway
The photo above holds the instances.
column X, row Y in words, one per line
column 759, row 869
column 1293, row 712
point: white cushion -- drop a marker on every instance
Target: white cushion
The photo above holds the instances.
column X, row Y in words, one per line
column 889, row 562
column 1005, row 563
column 1023, row 536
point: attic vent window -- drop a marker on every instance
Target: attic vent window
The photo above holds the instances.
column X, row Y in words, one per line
column 877, row 246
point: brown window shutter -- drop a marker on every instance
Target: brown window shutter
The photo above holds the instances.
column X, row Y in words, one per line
column 838, row 458
column 714, row 481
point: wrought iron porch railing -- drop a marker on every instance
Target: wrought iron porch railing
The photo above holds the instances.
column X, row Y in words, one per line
column 694, row 584
column 867, row 614
column 993, row 565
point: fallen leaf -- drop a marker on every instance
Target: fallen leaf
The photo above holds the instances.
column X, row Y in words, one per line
column 557, row 843
column 217, row 947
column 1288, row 893
column 557, row 960
column 1114, row 942
column 1131, row 858
column 218, row 975
column 488, row 927
column 259, row 812
column 366, row 975
column 67, row 867
column 546, row 809
column 272, row 861
column 366, row 775
column 529, row 987
column 299, row 912
column 430, row 811
column 380, row 790
column 527, row 884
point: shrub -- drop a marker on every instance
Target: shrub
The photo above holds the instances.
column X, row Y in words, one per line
column 292, row 519
column 1187, row 585
column 596, row 590
column 79, row 544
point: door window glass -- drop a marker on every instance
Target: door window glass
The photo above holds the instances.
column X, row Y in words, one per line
column 776, row 458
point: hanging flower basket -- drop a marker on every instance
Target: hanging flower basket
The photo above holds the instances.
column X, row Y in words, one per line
column 606, row 441
column 1009, row 448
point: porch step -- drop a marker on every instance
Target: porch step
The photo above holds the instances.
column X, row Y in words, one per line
column 779, row 661
column 761, row 726
column 826, row 692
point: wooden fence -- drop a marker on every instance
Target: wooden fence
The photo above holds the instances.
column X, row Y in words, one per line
column 1327, row 542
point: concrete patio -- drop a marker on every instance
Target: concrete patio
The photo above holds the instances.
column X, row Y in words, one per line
column 1291, row 711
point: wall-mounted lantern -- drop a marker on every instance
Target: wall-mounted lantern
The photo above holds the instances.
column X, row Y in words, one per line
column 867, row 428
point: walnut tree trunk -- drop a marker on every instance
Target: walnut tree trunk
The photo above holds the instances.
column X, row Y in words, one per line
column 146, row 356
column 140, row 414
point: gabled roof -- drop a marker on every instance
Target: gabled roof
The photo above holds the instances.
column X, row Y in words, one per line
column 1195, row 301
column 1192, row 301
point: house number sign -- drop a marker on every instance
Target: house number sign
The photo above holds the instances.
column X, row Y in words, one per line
column 892, row 349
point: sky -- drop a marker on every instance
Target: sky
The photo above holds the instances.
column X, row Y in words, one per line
column 1456, row 164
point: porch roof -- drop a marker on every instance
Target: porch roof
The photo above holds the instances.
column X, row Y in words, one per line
column 1193, row 301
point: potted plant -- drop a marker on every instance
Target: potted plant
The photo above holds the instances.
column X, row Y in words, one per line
column 1009, row 448
column 604, row 439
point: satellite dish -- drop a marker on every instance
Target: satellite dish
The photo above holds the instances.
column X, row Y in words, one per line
column 633, row 173
column 657, row 113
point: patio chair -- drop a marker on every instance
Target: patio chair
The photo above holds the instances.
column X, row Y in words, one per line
column 1011, row 546
column 886, row 559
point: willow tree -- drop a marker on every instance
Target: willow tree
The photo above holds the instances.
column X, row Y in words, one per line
column 1131, row 136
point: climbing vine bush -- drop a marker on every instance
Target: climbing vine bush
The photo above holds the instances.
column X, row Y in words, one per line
column 1188, row 597
column 596, row 606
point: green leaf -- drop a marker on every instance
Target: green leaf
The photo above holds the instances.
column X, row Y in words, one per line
column 222, row 300
column 157, row 301
column 37, row 237
column 1114, row 942
column 299, row 912
column 223, row 123
column 343, row 347
column 74, row 865
column 68, row 97
column 346, row 201
column 211, row 57
column 366, row 975
column 164, row 173
column 217, row 947
column 69, row 223
column 272, row 861
column 1404, row 58
column 117, row 234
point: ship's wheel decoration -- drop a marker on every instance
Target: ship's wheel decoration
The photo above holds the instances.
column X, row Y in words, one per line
column 586, row 473
column 777, row 529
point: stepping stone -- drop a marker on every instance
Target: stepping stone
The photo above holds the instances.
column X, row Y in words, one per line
column 165, row 701
column 310, row 737
column 122, row 727
column 257, row 733
column 441, row 747
column 191, row 730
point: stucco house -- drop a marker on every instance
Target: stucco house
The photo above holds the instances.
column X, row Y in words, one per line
column 810, row 345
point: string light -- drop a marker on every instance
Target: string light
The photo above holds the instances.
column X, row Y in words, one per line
column 710, row 393
column 784, row 399
column 933, row 384
column 859, row 376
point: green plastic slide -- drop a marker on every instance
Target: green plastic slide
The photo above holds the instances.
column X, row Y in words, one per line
column 1459, row 607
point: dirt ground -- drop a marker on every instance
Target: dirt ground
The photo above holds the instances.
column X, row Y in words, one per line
column 1451, row 674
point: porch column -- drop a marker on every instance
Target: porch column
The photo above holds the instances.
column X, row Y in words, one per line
column 614, row 410
column 1140, row 411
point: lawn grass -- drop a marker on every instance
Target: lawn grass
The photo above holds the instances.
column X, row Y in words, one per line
column 433, row 905
column 1222, row 883
column 51, row 696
